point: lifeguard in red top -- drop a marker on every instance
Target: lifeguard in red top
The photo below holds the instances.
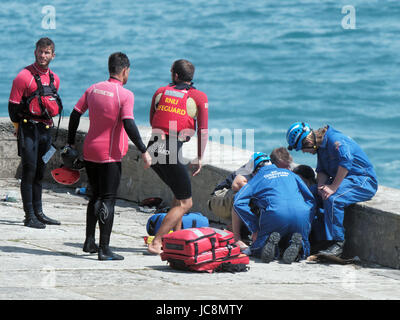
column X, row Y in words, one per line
column 32, row 104
column 177, row 111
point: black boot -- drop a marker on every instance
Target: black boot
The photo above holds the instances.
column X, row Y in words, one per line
column 106, row 254
column 37, row 208
column 46, row 220
column 90, row 245
column 32, row 222
column 293, row 250
column 336, row 249
column 268, row 251
column 30, row 218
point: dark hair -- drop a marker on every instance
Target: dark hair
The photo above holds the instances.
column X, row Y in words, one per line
column 184, row 69
column 306, row 172
column 44, row 43
column 117, row 61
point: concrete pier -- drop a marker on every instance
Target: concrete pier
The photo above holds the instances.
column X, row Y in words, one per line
column 50, row 263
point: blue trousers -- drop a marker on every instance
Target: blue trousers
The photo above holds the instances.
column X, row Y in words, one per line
column 286, row 221
column 353, row 189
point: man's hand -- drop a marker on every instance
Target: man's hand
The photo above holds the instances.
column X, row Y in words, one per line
column 147, row 159
column 195, row 166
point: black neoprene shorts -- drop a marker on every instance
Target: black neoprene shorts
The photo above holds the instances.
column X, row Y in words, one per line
column 168, row 166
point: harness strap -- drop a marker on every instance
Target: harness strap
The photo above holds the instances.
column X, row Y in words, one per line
column 40, row 91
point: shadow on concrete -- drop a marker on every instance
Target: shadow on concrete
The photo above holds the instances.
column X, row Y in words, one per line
column 79, row 245
column 40, row 252
column 167, row 268
column 12, row 223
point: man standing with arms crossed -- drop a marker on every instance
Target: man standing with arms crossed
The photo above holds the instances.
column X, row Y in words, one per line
column 106, row 143
column 176, row 110
column 32, row 104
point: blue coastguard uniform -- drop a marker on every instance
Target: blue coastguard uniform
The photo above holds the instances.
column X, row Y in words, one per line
column 360, row 184
column 286, row 206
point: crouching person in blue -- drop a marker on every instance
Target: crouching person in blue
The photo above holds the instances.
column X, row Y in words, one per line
column 344, row 176
column 286, row 208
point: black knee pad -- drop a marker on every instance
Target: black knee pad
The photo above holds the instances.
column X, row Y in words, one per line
column 103, row 210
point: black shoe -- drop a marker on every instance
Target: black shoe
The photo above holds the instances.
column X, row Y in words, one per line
column 106, row 254
column 46, row 220
column 268, row 251
column 90, row 245
column 335, row 249
column 292, row 251
column 32, row 222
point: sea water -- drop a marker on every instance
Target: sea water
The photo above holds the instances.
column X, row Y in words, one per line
column 263, row 64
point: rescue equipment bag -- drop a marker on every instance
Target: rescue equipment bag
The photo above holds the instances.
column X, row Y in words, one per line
column 189, row 220
column 206, row 256
column 228, row 264
column 203, row 250
column 189, row 242
column 224, row 237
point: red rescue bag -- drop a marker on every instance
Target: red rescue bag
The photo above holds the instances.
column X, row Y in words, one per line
column 207, row 256
column 224, row 237
column 203, row 249
column 189, row 242
column 230, row 264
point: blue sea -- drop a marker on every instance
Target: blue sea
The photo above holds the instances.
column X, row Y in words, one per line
column 263, row 64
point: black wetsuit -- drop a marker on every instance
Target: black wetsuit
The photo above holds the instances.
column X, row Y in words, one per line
column 104, row 179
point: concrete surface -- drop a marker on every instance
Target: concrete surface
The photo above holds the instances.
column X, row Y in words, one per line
column 50, row 264
column 372, row 227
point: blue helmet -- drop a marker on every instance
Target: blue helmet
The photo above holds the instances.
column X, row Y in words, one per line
column 296, row 134
column 258, row 158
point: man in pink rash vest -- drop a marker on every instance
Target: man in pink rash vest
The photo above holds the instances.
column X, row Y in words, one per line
column 106, row 143
column 177, row 110
column 33, row 129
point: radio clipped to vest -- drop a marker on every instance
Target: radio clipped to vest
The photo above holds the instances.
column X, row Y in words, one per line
column 44, row 103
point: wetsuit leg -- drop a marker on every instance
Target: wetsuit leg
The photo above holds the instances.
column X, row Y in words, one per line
column 43, row 145
column 110, row 176
column 91, row 219
column 28, row 150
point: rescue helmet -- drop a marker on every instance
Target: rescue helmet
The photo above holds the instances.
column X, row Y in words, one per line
column 258, row 159
column 70, row 158
column 296, row 134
